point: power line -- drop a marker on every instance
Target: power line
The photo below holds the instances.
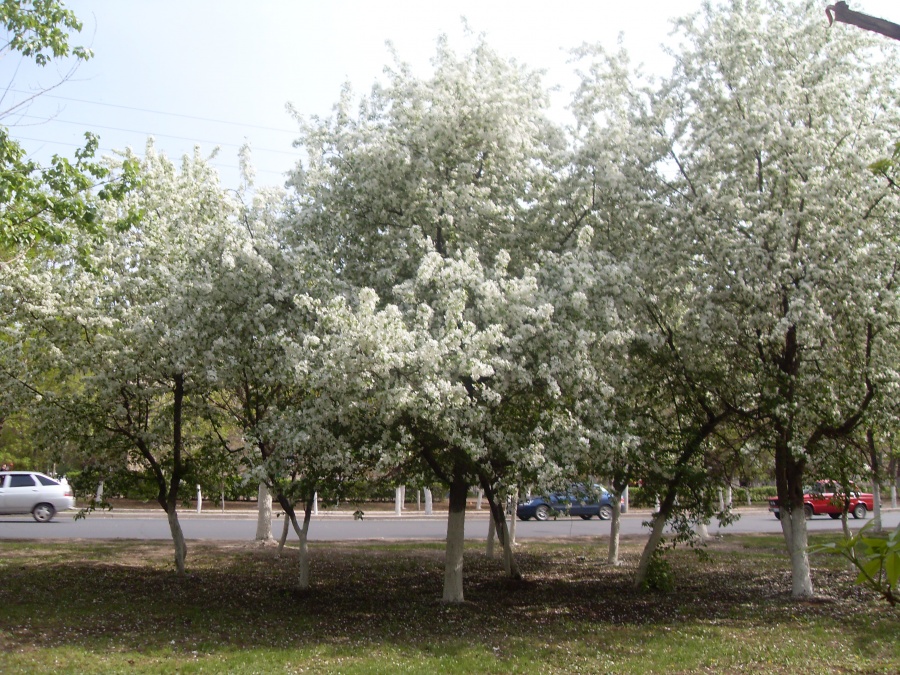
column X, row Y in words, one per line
column 112, row 150
column 157, row 135
column 160, row 112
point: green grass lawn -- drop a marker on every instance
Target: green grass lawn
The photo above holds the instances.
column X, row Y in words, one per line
column 118, row 607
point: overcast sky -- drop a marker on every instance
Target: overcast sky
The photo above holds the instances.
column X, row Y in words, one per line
column 220, row 72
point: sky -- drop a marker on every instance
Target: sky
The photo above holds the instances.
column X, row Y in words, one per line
column 219, row 73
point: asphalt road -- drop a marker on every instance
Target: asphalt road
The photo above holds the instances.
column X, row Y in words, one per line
column 342, row 527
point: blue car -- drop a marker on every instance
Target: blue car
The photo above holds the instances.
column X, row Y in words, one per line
column 578, row 500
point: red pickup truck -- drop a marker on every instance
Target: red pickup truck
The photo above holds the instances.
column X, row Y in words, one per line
column 829, row 497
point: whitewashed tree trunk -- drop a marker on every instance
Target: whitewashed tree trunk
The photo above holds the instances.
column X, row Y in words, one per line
column 98, row 497
column 721, row 500
column 656, row 534
column 702, row 531
column 264, row 514
column 615, row 525
column 793, row 525
column 178, row 540
column 893, row 496
column 456, row 532
column 302, row 531
column 398, row 501
column 728, row 496
column 429, row 502
column 510, row 566
column 480, row 498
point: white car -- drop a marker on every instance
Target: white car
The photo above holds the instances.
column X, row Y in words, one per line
column 34, row 493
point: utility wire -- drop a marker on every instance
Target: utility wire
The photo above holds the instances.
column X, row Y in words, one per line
column 159, row 112
column 155, row 135
column 113, row 150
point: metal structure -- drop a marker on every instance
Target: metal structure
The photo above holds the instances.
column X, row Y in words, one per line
column 842, row 12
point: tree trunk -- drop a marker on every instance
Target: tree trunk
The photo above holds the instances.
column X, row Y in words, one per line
column 789, row 483
column 284, row 533
column 656, row 535
column 875, row 463
column 456, row 526
column 876, row 513
column 177, row 539
column 303, row 567
column 845, row 525
column 498, row 518
column 264, row 515
column 510, row 566
column 291, row 517
column 702, row 531
column 513, row 507
column 615, row 525
column 801, row 586
column 492, row 534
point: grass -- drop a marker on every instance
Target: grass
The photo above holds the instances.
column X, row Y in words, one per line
column 117, row 607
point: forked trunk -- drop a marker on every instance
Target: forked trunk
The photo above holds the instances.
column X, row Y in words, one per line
column 456, row 531
column 510, row 566
column 501, row 526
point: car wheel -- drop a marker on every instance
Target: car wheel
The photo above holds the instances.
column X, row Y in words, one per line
column 835, row 516
column 586, row 516
column 605, row 512
column 807, row 511
column 542, row 512
column 777, row 515
column 524, row 517
column 43, row 512
column 859, row 511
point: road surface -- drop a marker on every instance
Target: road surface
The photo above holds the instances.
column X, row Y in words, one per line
column 331, row 527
